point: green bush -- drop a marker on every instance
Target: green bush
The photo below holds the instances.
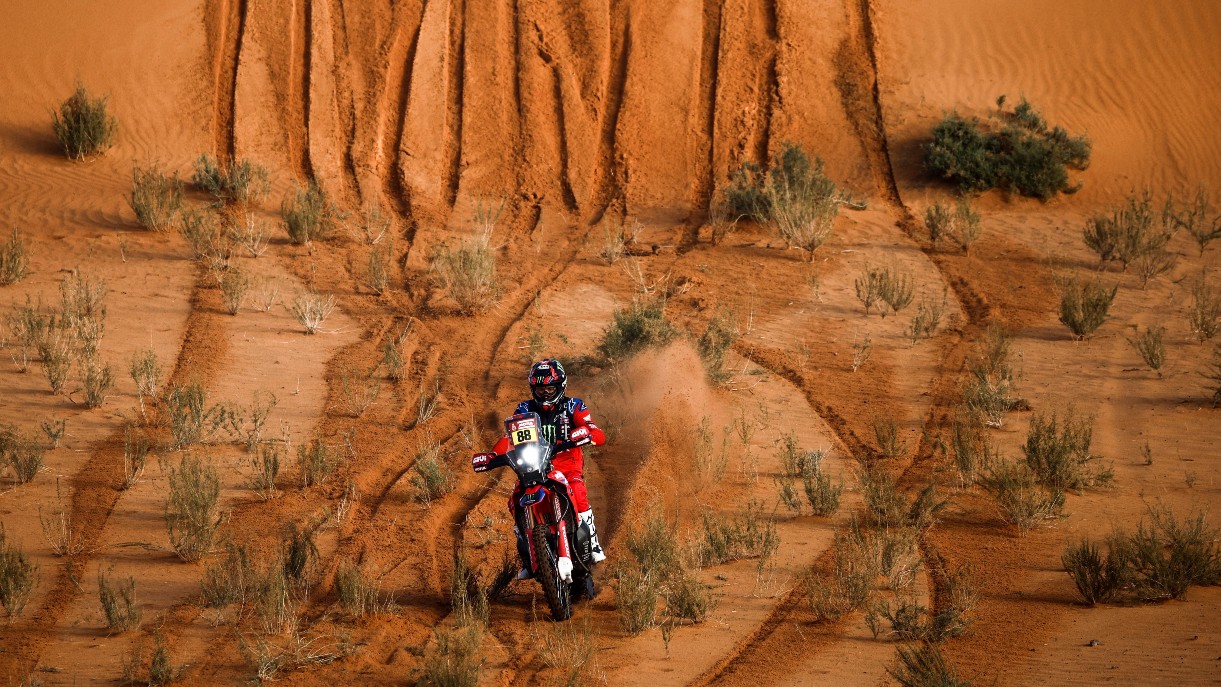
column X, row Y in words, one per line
column 1150, row 346
column 83, row 126
column 1014, row 151
column 641, row 326
column 1168, row 556
column 155, row 198
column 1057, row 451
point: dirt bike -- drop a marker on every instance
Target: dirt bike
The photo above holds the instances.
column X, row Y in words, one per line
column 557, row 548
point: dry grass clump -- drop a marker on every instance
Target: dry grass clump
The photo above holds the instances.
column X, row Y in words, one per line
column 960, row 224
column 57, row 528
column 317, row 462
column 1097, row 573
column 379, row 267
column 467, row 274
column 659, row 570
column 928, row 316
column 21, row 453
column 309, row 215
column 433, row 477
column 191, row 419
column 847, row 586
column 208, row 239
column 161, row 669
column 1129, row 235
column 17, row 577
column 136, row 447
column 83, row 126
column 14, row 263
column 1020, row 499
column 359, row 595
column 266, row 464
column 191, row 509
column 617, row 239
column 806, row 466
column 359, row 389
column 311, row 310
column 119, row 603
column 989, row 390
column 155, row 197
column 1194, row 216
column 454, row 659
column 146, row 373
column 570, row 650
column 234, row 285
column 238, row 181
column 233, row 579
column 718, row 337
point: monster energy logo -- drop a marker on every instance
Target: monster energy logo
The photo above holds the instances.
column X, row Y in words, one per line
column 549, row 433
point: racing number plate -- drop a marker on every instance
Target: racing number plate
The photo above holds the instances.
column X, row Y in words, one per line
column 523, row 432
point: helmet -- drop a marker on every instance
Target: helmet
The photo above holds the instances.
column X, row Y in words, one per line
column 547, row 382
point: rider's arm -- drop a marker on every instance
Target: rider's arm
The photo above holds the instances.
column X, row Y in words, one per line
column 585, row 432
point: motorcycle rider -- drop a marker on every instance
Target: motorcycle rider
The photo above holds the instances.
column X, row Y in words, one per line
column 568, row 426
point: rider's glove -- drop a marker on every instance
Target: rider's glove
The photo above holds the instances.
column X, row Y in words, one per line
column 480, row 461
column 580, row 436
column 564, row 567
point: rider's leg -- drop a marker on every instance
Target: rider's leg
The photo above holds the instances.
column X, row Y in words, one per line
column 585, row 513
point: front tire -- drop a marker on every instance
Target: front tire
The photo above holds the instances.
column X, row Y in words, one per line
column 555, row 589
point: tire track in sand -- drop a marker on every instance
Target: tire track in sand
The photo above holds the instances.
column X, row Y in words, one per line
column 230, row 27
column 607, row 182
column 454, row 110
column 395, row 93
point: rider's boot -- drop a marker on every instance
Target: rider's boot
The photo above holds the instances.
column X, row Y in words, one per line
column 587, row 518
column 523, row 550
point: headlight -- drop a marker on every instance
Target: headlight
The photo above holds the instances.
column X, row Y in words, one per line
column 530, row 457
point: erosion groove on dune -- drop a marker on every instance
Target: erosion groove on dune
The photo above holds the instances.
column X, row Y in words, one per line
column 229, row 18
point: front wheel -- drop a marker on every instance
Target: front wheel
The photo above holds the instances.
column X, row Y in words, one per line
column 556, row 590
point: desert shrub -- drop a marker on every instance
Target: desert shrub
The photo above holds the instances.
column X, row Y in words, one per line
column 266, row 470
column 428, row 402
column 1128, row 234
column 847, row 586
column 246, row 231
column 146, row 373
column 617, row 238
column 311, row 310
column 468, row 599
column 822, row 496
column 377, row 270
column 869, row 287
column 56, row 350
column 709, row 464
column 83, row 126
column 1084, row 307
column 317, row 462
column 14, row 263
column 1014, row 150
column 1213, row 374
column 970, row 448
column 299, row 554
column 989, row 389
column 923, row 666
column 360, row 390
column 885, row 505
column 238, row 181
column 654, row 547
column 960, row 223
column 98, row 380
column 802, row 201
column 571, row 649
column 231, row 580
column 374, row 223
column 119, row 603
column 687, row 598
column 861, row 350
column 1204, row 315
column 433, row 477
column 308, row 215
column 1150, row 346
column 454, row 660
column 718, row 337
column 155, row 198
column 21, row 453
column 1168, row 556
column 928, row 316
column 635, row 598
column 1098, row 575
column 886, row 432
column 191, row 516
column 54, row 429
column 191, row 420
column 234, row 285
column 1057, row 451
column 1198, row 219
column 57, row 528
column 1020, row 499
column 28, row 325
column 206, row 236
column 17, row 577
column 640, row 326
column 467, row 274
column 749, row 534
column 744, row 196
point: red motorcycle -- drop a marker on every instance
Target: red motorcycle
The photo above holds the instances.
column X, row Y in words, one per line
column 553, row 545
